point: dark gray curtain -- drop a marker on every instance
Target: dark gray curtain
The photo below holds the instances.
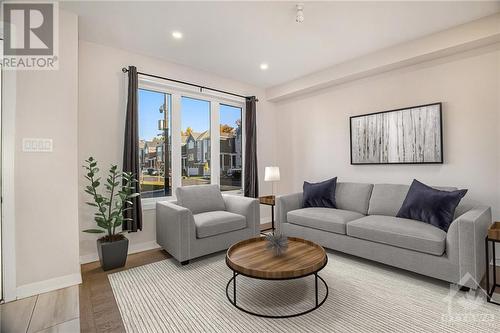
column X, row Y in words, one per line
column 131, row 150
column 251, row 186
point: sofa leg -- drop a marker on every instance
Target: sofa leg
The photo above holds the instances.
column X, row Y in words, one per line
column 463, row 288
column 185, row 262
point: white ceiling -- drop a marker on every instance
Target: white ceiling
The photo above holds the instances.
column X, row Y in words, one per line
column 231, row 39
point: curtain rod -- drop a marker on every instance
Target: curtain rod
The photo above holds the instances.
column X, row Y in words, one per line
column 125, row 70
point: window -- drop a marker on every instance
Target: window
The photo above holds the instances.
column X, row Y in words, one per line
column 177, row 127
column 230, row 148
column 195, row 141
column 155, row 165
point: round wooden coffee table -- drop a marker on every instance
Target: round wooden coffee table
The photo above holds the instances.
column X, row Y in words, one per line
column 250, row 258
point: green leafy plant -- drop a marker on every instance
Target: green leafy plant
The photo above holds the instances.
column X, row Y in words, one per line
column 118, row 192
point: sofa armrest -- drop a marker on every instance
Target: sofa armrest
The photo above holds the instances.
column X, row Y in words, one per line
column 467, row 234
column 248, row 207
column 174, row 225
column 285, row 204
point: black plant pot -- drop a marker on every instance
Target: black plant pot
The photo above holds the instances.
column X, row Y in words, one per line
column 112, row 254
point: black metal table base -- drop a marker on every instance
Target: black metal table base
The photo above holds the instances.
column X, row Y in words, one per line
column 494, row 283
column 272, row 229
column 264, row 231
column 318, row 303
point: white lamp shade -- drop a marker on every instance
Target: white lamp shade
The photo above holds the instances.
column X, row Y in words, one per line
column 272, row 174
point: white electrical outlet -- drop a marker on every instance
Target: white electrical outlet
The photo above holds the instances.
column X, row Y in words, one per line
column 36, row 145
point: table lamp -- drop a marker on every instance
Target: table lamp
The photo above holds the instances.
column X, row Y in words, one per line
column 272, row 174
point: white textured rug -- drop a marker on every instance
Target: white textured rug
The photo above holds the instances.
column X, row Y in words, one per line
column 364, row 297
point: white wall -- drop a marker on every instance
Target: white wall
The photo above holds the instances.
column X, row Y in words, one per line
column 101, row 118
column 313, row 130
column 46, row 184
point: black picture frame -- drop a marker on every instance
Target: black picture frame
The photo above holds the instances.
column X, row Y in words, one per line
column 441, row 161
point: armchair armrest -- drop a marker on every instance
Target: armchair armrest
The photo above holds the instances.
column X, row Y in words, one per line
column 286, row 203
column 248, row 207
column 173, row 229
column 467, row 233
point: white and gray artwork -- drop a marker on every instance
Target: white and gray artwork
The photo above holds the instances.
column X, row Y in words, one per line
column 410, row 135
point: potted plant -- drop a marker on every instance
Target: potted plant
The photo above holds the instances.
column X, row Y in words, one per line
column 119, row 187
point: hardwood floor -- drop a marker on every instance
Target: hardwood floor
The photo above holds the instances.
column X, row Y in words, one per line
column 98, row 309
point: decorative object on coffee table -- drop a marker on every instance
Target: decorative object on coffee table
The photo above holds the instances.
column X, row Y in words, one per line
column 252, row 259
column 119, row 186
column 493, row 237
column 278, row 244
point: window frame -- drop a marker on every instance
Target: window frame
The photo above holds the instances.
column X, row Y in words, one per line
column 178, row 91
column 171, row 136
column 242, row 106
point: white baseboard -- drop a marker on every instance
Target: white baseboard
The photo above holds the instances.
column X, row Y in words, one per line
column 44, row 286
column 133, row 248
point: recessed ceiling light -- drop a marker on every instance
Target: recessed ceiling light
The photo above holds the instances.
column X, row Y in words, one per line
column 177, row 34
column 264, row 66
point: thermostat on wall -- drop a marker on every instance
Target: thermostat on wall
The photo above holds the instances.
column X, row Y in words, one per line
column 36, row 145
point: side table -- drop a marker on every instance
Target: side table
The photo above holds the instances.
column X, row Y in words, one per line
column 269, row 200
column 492, row 238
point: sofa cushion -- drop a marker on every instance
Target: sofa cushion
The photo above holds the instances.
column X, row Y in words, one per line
column 387, row 199
column 200, row 198
column 217, row 222
column 408, row 234
column 327, row 219
column 353, row 196
column 430, row 205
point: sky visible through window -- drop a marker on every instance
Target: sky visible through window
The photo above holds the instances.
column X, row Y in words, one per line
column 194, row 114
column 149, row 106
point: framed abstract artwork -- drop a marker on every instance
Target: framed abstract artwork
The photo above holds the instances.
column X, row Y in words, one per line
column 412, row 135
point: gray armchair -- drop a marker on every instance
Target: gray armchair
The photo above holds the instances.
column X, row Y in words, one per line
column 203, row 221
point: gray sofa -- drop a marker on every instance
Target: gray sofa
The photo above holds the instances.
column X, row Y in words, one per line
column 364, row 225
column 203, row 221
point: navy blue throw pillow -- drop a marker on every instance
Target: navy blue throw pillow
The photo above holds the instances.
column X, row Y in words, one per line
column 320, row 194
column 429, row 205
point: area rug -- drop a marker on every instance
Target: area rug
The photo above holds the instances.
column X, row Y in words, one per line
column 363, row 297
